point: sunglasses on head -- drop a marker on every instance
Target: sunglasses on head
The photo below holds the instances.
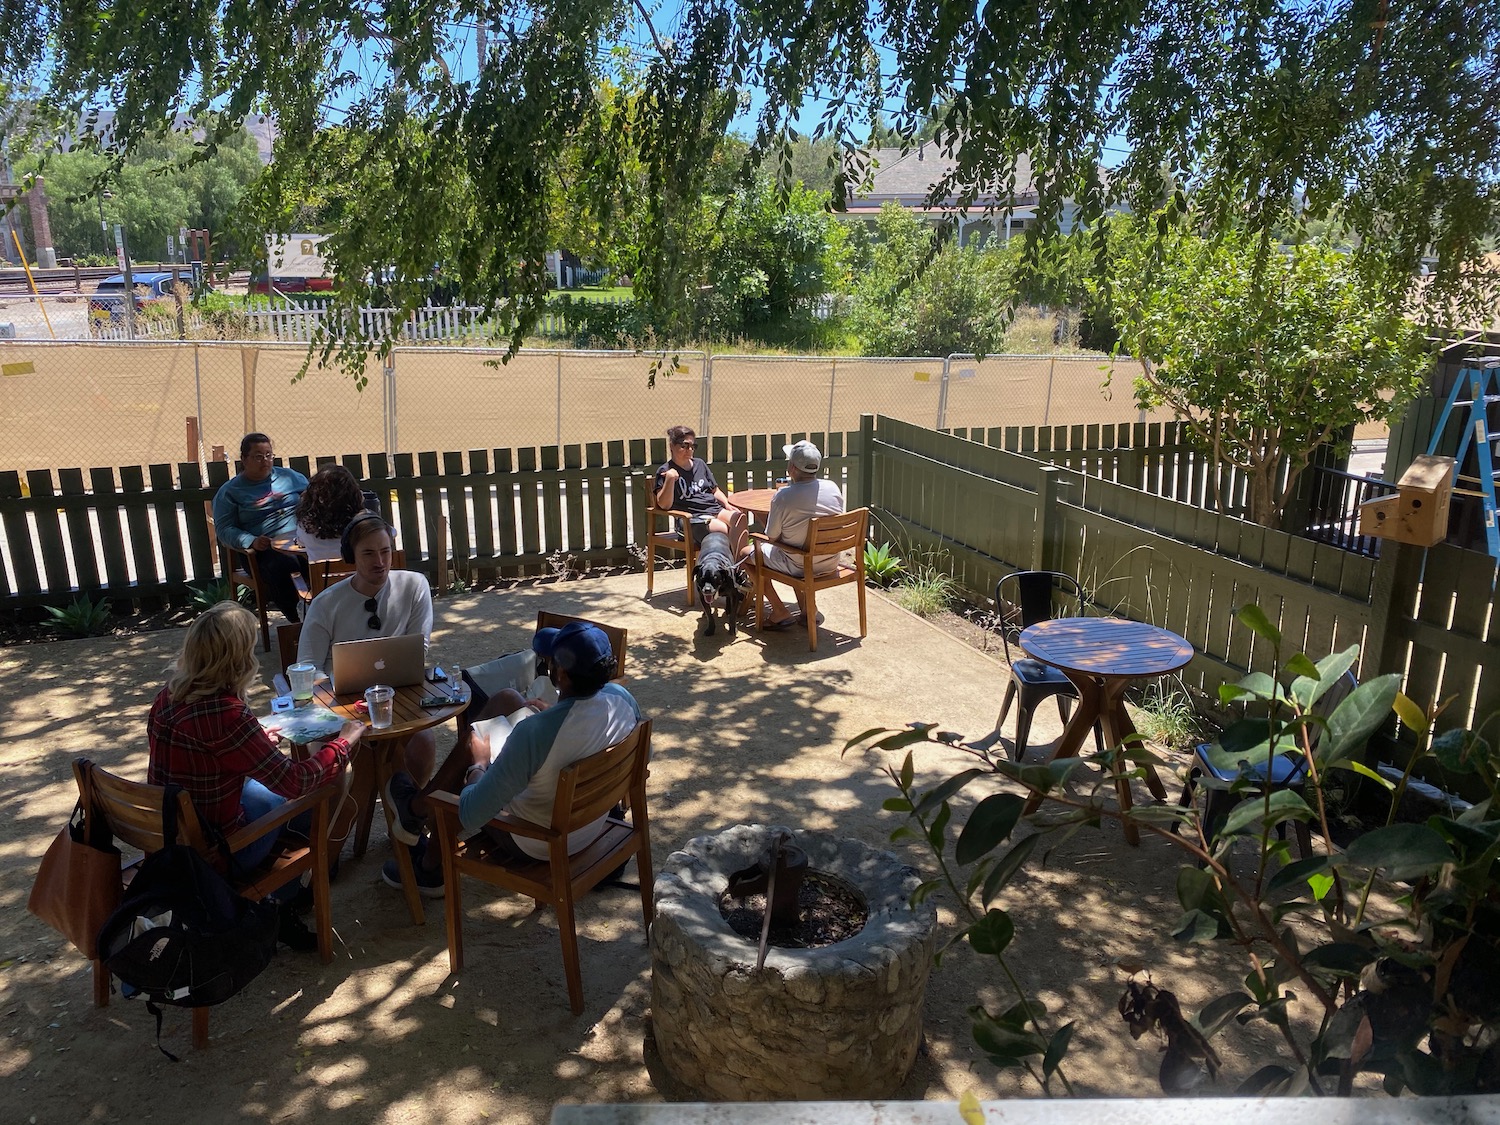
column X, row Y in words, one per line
column 372, row 607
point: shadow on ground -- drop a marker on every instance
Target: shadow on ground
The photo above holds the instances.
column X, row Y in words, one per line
column 748, row 729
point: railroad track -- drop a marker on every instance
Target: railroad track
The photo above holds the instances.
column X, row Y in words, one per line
column 82, row 278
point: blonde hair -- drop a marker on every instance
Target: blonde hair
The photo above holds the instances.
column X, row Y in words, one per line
column 218, row 655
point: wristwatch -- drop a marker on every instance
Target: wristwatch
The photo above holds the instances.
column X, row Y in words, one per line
column 469, row 773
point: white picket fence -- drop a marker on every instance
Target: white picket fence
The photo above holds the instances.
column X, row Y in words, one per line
column 288, row 321
column 298, row 322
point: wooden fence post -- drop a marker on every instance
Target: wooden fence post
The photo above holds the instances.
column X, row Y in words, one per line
column 866, row 455
column 1396, row 571
column 193, row 444
column 1045, row 542
column 440, row 554
column 248, row 357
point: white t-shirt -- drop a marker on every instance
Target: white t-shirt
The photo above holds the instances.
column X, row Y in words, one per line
column 404, row 605
column 791, row 509
column 319, row 550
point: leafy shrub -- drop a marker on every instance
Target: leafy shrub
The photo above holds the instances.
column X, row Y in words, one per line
column 956, row 304
column 84, row 618
column 600, row 324
column 1402, row 986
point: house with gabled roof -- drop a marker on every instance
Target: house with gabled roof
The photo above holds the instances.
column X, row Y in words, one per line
column 906, row 178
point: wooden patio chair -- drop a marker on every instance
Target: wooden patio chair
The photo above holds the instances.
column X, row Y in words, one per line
column 586, row 790
column 287, row 637
column 132, row 812
column 321, row 575
column 239, row 567
column 618, row 638
column 673, row 535
column 826, row 535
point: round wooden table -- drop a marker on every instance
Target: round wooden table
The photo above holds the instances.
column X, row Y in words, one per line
column 375, row 760
column 756, row 501
column 1102, row 656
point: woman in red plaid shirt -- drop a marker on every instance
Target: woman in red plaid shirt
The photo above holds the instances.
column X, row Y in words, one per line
column 205, row 738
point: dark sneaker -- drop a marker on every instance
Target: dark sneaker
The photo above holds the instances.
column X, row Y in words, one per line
column 302, row 901
column 429, row 883
column 293, row 932
column 406, row 825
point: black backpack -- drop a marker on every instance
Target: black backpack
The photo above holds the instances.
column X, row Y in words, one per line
column 182, row 936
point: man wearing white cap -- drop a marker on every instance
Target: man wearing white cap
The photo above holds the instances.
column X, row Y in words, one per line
column 791, row 510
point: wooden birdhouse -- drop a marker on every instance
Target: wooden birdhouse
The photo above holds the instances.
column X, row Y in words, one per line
column 1418, row 513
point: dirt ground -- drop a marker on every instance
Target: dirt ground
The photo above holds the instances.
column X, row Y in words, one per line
column 746, row 730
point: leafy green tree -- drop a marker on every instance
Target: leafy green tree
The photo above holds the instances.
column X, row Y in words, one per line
column 763, row 258
column 958, row 303
column 1265, row 356
column 159, row 189
column 814, row 163
column 1249, row 111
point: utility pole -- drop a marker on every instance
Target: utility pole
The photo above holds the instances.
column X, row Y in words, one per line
column 123, row 256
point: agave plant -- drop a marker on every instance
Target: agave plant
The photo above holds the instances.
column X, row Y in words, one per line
column 882, row 565
column 84, row 618
column 203, row 595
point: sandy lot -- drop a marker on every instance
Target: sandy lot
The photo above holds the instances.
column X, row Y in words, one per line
column 748, row 730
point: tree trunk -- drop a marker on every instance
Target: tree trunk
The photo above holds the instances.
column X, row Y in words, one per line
column 1264, row 508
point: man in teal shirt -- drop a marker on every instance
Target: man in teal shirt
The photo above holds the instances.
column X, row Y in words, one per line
column 256, row 506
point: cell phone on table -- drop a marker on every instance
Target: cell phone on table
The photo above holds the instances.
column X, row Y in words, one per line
column 438, row 701
column 437, row 675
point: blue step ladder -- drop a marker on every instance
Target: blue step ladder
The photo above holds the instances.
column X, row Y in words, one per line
column 1483, row 386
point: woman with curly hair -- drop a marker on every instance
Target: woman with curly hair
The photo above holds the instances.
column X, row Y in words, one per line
column 204, row 737
column 332, row 498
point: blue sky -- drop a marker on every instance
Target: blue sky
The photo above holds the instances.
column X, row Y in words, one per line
column 462, row 61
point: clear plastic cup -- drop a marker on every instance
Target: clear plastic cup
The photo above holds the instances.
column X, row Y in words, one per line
column 381, row 701
column 302, row 676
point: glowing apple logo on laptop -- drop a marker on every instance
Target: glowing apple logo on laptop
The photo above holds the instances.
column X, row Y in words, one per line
column 380, row 664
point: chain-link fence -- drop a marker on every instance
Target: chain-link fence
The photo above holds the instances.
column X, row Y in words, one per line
column 83, row 404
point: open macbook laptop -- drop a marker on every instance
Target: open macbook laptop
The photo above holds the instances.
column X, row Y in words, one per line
column 394, row 661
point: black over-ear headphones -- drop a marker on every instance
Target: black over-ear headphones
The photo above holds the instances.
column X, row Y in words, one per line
column 350, row 537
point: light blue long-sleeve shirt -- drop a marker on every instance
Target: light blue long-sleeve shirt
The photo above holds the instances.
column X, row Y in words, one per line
column 245, row 510
column 523, row 779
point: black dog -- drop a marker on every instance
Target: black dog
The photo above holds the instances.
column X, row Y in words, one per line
column 717, row 577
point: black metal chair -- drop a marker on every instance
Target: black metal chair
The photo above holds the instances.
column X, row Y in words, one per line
column 1023, row 598
column 1288, row 771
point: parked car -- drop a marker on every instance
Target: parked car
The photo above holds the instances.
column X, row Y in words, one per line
column 260, row 283
column 107, row 305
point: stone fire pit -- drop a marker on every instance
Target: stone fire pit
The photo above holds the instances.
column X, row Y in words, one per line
column 837, row 1021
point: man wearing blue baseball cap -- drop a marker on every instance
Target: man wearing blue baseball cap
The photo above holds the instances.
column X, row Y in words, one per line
column 591, row 713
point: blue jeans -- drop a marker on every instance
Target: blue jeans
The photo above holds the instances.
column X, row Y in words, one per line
column 256, row 801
